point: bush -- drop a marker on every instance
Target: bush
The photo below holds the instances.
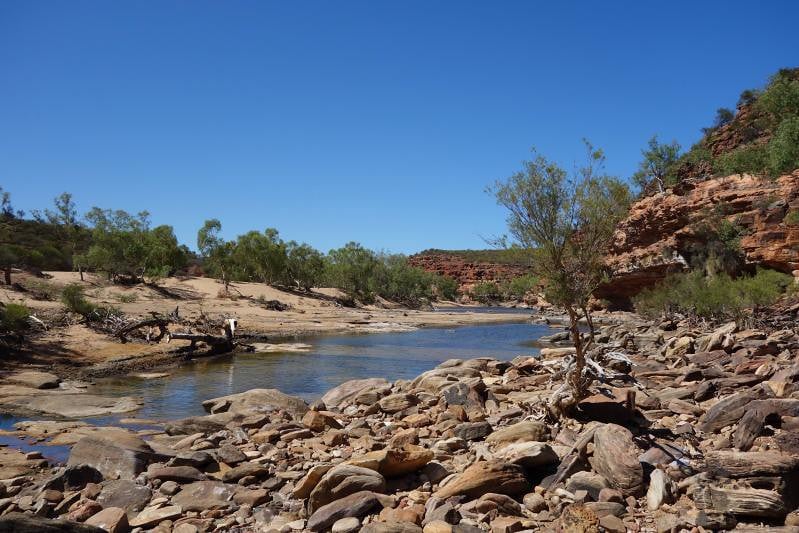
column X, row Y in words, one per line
column 446, row 288
column 75, row 301
column 126, row 298
column 518, row 287
column 783, row 149
column 744, row 160
column 486, row 292
column 14, row 318
column 717, row 297
column 792, row 218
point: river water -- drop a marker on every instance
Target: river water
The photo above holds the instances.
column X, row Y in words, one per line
column 329, row 361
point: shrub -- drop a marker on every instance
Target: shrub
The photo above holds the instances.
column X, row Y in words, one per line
column 751, row 159
column 446, row 287
column 783, row 149
column 717, row 297
column 126, row 298
column 486, row 292
column 792, row 218
column 75, row 301
column 14, row 318
column 519, row 287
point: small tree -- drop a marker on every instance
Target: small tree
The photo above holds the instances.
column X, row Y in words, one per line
column 305, row 265
column 568, row 222
column 216, row 252
column 659, row 160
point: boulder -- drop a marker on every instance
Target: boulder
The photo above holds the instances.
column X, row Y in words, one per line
column 344, row 480
column 202, row 495
column 529, row 430
column 529, row 455
column 394, row 462
column 153, row 516
column 356, row 505
column 487, row 476
column 125, row 494
column 257, row 401
column 345, row 393
column 616, row 459
column 35, row 379
column 395, row 403
column 124, row 457
column 110, row 519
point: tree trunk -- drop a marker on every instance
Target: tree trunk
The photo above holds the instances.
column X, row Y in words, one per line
column 7, row 275
column 575, row 377
column 590, row 321
column 80, row 271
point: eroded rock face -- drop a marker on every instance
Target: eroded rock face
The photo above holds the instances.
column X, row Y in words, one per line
column 466, row 273
column 656, row 237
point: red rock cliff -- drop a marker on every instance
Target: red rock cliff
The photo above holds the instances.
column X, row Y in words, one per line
column 467, row 273
column 655, row 238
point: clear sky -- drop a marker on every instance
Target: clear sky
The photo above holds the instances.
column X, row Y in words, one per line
column 375, row 121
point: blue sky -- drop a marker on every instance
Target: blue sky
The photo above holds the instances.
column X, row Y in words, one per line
column 380, row 122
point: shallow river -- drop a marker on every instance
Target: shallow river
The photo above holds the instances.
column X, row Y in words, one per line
column 330, row 361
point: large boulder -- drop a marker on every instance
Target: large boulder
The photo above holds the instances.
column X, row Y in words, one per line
column 438, row 378
column 616, row 459
column 529, row 430
column 529, row 455
column 202, row 495
column 487, row 476
column 257, row 401
column 344, row 394
column 125, row 494
column 394, row 462
column 357, row 504
column 344, row 480
column 126, row 456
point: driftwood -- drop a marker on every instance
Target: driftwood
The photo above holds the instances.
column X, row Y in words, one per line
column 572, row 461
column 218, row 343
column 748, row 464
column 729, row 410
column 754, row 420
column 160, row 322
column 741, row 502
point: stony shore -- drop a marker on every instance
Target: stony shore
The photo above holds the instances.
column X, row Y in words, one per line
column 699, row 434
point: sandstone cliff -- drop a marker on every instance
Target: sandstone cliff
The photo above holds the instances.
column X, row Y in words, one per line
column 657, row 236
column 467, row 273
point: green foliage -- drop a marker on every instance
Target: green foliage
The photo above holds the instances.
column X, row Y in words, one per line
column 568, row 221
column 446, row 288
column 518, row 287
column 512, row 255
column 780, row 100
column 125, row 247
column 748, row 159
column 783, row 149
column 13, row 318
column 718, row 243
column 486, row 292
column 712, row 297
column 723, row 117
column 657, row 165
column 305, row 265
column 75, row 300
column 128, row 298
column 792, row 217
column 353, row 269
column 748, row 97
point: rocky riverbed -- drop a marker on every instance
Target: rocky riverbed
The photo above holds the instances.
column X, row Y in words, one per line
column 700, row 433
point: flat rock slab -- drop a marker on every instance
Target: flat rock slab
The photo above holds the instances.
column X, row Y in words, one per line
column 487, row 476
column 123, row 457
column 202, row 495
column 152, row 517
column 35, row 379
column 74, row 405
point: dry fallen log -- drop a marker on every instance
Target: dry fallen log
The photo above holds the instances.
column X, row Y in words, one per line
column 729, row 410
column 757, row 413
column 748, row 464
column 157, row 322
column 741, row 502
